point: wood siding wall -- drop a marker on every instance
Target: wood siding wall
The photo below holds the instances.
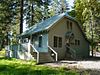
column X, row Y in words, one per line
column 60, row 29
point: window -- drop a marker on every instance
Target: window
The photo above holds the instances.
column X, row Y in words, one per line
column 71, row 25
column 77, row 42
column 57, row 41
column 68, row 24
column 60, row 42
column 40, row 41
column 25, row 40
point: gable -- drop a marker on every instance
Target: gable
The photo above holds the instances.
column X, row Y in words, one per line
column 62, row 23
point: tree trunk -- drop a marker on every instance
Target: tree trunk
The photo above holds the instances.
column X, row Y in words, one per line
column 92, row 43
column 21, row 16
column 32, row 15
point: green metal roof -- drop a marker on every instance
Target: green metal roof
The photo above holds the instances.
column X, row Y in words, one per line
column 46, row 24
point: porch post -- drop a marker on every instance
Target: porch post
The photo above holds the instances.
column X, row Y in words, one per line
column 19, row 47
column 29, row 46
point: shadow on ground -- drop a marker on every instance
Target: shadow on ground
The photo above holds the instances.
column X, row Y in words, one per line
column 15, row 70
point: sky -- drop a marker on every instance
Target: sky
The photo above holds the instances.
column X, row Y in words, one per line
column 70, row 2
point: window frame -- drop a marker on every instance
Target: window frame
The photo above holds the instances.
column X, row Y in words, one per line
column 55, row 39
column 71, row 25
column 57, row 42
column 77, row 42
column 68, row 24
column 60, row 42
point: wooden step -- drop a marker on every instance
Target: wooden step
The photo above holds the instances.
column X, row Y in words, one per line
column 45, row 57
column 34, row 54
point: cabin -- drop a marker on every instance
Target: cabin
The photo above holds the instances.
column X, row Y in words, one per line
column 57, row 38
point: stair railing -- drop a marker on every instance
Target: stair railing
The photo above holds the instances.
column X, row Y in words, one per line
column 73, row 51
column 35, row 51
column 54, row 52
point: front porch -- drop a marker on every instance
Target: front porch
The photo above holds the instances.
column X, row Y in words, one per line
column 28, row 51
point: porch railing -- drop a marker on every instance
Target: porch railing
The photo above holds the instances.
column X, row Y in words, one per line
column 24, row 47
column 54, row 52
column 34, row 50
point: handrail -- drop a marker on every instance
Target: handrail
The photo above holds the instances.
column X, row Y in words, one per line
column 36, row 52
column 34, row 48
column 73, row 50
column 54, row 52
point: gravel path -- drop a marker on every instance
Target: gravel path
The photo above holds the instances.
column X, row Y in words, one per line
column 83, row 64
column 92, row 67
column 77, row 64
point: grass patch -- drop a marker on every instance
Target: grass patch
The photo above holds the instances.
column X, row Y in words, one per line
column 14, row 66
column 2, row 53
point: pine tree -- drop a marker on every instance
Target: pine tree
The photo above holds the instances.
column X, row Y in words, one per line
column 6, row 20
column 88, row 12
